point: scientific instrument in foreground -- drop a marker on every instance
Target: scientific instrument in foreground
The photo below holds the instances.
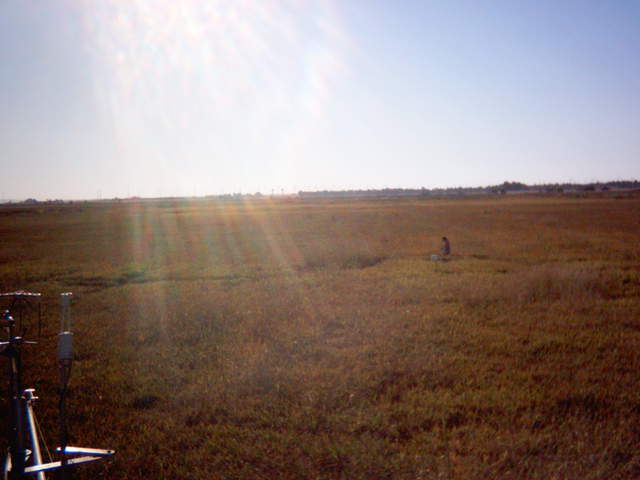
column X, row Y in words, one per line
column 24, row 458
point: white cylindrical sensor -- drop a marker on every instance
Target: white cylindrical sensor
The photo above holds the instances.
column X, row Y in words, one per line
column 65, row 318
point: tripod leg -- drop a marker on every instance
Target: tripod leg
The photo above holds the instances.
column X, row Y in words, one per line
column 7, row 467
column 33, row 432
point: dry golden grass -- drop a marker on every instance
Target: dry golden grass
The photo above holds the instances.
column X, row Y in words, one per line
column 291, row 339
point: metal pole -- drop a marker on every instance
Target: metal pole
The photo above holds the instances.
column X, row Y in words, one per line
column 65, row 358
column 18, row 451
column 35, row 444
column 16, row 406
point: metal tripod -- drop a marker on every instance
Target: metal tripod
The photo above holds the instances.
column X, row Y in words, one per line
column 21, row 462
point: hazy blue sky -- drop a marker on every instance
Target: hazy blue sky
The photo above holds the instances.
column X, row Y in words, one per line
column 179, row 97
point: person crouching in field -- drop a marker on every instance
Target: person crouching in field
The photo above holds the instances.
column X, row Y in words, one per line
column 445, row 250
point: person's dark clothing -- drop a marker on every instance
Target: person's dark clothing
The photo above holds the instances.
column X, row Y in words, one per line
column 446, row 246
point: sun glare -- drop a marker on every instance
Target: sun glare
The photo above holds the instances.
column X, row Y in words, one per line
column 195, row 80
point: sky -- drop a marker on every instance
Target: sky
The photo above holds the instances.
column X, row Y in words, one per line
column 115, row 98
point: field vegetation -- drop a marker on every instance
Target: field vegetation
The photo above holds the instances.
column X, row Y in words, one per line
column 317, row 339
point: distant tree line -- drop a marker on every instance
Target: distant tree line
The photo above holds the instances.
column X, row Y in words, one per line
column 502, row 189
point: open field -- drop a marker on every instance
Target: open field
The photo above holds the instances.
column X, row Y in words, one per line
column 291, row 339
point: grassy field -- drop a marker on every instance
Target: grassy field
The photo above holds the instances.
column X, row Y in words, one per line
column 291, row 339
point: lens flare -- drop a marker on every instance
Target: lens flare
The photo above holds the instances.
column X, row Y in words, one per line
column 201, row 84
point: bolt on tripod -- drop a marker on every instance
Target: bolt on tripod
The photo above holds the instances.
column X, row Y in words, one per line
column 20, row 461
